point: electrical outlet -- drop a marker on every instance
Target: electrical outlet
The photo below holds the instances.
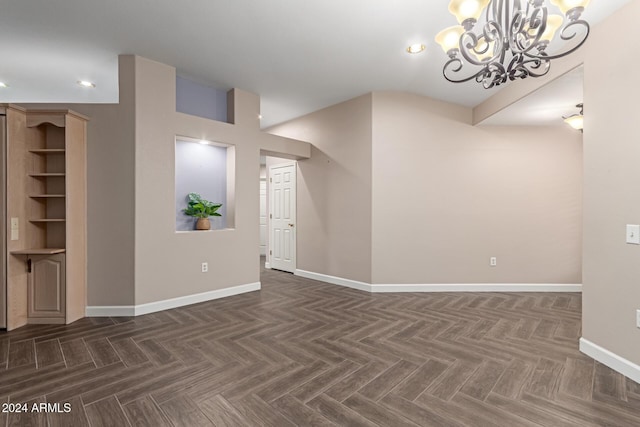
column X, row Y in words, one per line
column 633, row 234
column 638, row 318
column 493, row 261
column 205, row 267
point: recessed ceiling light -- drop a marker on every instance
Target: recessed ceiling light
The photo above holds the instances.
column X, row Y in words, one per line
column 85, row 83
column 3, row 84
column 416, row 48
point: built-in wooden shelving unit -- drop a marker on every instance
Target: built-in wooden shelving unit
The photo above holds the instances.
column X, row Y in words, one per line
column 50, row 198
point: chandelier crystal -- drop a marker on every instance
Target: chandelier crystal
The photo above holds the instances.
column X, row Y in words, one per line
column 512, row 41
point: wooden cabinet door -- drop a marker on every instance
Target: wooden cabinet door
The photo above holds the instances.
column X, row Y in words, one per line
column 46, row 288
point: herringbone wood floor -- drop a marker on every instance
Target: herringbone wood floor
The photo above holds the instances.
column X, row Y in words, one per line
column 305, row 353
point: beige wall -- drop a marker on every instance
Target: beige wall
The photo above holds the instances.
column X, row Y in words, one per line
column 447, row 196
column 611, row 293
column 334, row 190
column 167, row 264
column 401, row 189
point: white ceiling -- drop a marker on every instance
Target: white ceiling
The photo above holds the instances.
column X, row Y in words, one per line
column 298, row 55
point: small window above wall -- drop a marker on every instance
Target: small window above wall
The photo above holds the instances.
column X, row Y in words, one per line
column 204, row 170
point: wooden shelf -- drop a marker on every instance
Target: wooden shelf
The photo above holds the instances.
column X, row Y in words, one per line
column 46, row 174
column 48, row 151
column 45, row 196
column 39, row 251
column 48, row 220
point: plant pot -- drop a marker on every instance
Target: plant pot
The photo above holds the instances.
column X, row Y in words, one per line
column 203, row 224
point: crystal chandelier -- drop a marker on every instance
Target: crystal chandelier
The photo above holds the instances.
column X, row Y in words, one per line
column 512, row 41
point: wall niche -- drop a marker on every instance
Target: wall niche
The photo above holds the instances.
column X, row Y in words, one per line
column 206, row 168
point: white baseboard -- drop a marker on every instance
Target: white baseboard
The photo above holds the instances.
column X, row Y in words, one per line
column 354, row 284
column 479, row 287
column 152, row 307
column 463, row 287
column 110, row 311
column 612, row 360
column 267, row 266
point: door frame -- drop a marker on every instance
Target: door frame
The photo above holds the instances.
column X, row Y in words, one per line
column 266, row 208
column 270, row 212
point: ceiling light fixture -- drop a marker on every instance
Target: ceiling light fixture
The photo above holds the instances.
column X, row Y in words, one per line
column 87, row 84
column 3, row 85
column 416, row 48
column 512, row 43
column 576, row 121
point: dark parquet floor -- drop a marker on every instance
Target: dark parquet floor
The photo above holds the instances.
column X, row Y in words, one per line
column 305, row 353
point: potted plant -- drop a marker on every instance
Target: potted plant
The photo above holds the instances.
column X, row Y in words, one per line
column 202, row 209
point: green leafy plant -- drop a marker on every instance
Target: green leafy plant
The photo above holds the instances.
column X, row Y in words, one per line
column 200, row 208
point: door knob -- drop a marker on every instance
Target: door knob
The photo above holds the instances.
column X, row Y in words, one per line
column 291, row 225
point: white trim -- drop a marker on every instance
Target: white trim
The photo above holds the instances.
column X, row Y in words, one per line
column 152, row 307
column 479, row 287
column 450, row 287
column 354, row 284
column 267, row 265
column 612, row 360
column 110, row 311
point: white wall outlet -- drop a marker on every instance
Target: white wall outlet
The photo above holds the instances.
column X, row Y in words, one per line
column 633, row 234
column 493, row 261
column 638, row 318
column 205, row 267
column 15, row 229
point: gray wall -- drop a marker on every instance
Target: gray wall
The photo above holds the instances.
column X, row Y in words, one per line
column 202, row 169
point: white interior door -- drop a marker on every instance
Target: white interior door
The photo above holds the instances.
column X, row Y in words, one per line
column 282, row 204
column 263, row 217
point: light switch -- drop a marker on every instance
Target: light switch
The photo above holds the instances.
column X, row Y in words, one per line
column 15, row 229
column 633, row 234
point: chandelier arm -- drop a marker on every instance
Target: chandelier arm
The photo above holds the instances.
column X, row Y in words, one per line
column 454, row 65
column 469, row 42
column 543, row 65
column 520, row 37
column 585, row 24
column 494, row 74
